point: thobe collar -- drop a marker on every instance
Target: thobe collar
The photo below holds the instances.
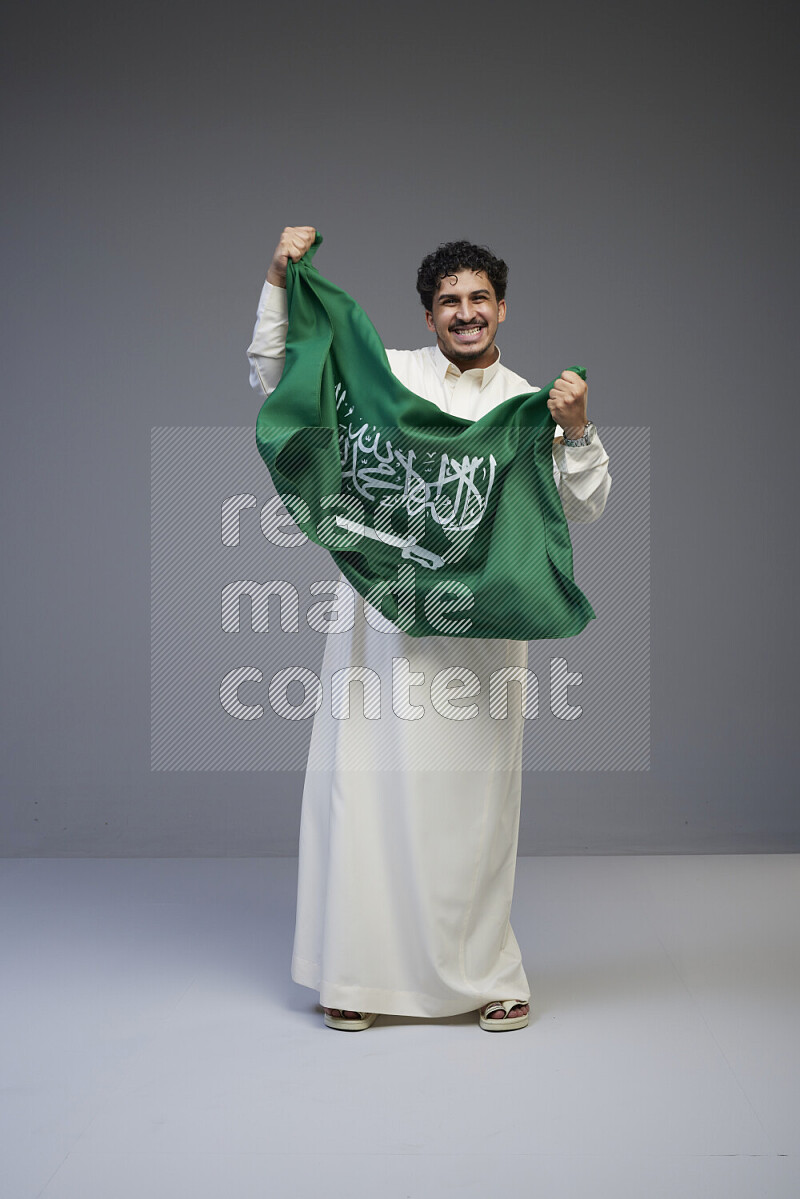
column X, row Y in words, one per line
column 442, row 365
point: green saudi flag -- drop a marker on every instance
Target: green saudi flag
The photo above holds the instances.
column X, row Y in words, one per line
column 449, row 527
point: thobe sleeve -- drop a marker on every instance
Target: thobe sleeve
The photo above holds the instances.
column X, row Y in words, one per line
column 583, row 480
column 267, row 351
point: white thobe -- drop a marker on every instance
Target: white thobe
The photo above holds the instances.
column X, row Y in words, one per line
column 410, row 816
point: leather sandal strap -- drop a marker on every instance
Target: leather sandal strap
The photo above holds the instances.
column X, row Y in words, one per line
column 505, row 1004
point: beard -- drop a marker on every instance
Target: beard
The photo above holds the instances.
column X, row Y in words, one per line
column 467, row 353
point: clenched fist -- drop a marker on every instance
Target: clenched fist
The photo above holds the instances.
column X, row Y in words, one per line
column 567, row 403
column 293, row 244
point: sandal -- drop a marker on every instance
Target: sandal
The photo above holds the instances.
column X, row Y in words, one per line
column 508, row 1022
column 365, row 1019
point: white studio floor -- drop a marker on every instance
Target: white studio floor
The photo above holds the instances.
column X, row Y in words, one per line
column 154, row 1044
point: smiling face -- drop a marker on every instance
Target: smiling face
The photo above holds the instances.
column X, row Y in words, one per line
column 464, row 317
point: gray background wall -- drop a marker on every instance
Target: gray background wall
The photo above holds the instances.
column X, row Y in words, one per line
column 637, row 167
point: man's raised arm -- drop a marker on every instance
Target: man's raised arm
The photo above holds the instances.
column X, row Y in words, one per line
column 267, row 351
column 583, row 480
column 582, row 475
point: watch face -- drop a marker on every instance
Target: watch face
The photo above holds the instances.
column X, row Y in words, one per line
column 588, row 433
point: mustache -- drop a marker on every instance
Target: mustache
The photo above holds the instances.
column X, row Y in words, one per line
column 469, row 325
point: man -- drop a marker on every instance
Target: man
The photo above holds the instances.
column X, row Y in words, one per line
column 409, row 824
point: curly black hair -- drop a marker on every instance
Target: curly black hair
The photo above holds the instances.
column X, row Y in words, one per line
column 453, row 256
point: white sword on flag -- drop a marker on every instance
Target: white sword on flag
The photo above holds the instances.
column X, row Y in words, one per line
column 417, row 553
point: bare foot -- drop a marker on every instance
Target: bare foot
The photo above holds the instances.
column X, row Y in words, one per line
column 339, row 1014
column 519, row 1009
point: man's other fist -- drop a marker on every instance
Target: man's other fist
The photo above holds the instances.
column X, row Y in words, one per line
column 567, row 403
column 293, row 244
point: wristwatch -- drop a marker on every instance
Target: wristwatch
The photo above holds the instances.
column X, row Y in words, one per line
column 589, row 431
